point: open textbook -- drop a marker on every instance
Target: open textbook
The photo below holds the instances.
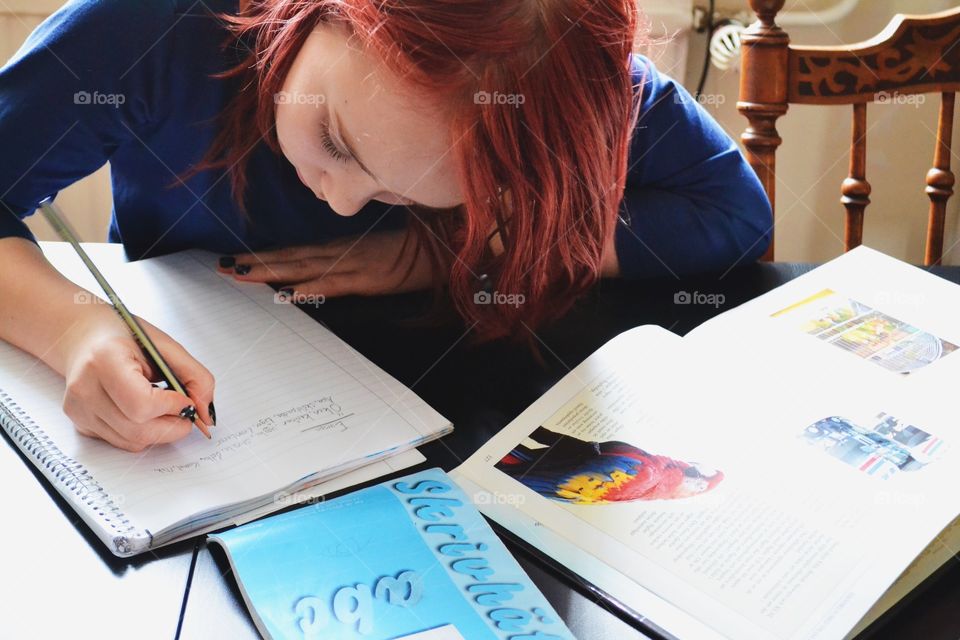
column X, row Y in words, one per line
column 297, row 408
column 787, row 470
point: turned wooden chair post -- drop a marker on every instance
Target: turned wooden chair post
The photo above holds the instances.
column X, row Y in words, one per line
column 913, row 55
column 940, row 181
column 763, row 93
column 855, row 189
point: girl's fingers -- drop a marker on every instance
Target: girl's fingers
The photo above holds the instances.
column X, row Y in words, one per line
column 196, row 378
column 331, row 249
column 268, row 261
column 294, row 271
column 124, row 384
column 98, row 428
column 153, row 432
column 331, row 286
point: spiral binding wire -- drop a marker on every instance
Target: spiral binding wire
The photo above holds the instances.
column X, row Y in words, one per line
column 68, row 472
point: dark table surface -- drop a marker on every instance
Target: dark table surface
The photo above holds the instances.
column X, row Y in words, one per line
column 59, row 581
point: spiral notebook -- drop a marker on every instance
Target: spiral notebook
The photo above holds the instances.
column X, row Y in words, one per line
column 296, row 407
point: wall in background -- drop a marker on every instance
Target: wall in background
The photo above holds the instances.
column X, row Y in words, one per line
column 813, row 160
column 669, row 35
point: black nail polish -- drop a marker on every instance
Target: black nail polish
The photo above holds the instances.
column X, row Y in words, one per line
column 213, row 414
column 190, row 413
column 241, row 269
column 227, row 262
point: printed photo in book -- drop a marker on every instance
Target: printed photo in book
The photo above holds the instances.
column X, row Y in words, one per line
column 866, row 332
column 887, row 447
column 568, row 469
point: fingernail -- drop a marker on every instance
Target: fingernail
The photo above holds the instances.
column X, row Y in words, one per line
column 190, row 413
column 241, row 269
column 227, row 262
column 213, row 414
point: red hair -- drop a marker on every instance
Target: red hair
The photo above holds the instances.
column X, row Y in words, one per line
column 548, row 174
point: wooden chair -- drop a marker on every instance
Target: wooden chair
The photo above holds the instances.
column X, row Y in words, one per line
column 914, row 54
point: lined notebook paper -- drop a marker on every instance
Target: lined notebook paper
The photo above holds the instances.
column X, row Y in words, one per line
column 295, row 406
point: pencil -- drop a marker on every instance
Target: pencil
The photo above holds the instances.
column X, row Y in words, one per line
column 59, row 224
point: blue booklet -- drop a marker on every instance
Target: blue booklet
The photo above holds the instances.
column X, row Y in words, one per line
column 410, row 558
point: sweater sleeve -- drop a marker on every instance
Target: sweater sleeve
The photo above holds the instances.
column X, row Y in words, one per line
column 692, row 203
column 79, row 87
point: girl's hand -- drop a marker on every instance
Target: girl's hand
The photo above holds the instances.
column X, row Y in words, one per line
column 109, row 395
column 372, row 264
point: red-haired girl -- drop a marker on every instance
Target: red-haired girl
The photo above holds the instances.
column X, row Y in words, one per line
column 516, row 149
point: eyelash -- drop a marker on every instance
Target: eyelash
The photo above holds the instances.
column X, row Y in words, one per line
column 327, row 142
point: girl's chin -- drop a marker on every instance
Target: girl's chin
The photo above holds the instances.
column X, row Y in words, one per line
column 396, row 201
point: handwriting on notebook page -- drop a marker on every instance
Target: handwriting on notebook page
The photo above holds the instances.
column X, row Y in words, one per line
column 323, row 414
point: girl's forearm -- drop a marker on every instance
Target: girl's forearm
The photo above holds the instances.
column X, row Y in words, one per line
column 41, row 311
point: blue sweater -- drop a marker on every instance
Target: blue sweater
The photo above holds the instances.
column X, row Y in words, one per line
column 129, row 82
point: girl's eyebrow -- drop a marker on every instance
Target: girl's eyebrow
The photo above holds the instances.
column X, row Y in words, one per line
column 344, row 137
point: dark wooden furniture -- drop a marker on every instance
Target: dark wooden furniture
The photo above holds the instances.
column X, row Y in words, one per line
column 913, row 55
column 59, row 581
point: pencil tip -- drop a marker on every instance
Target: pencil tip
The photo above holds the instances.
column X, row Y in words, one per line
column 202, row 427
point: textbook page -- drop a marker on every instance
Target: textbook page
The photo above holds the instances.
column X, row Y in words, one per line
column 886, row 334
column 707, row 495
column 295, row 404
column 863, row 313
column 644, row 605
column 939, row 552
